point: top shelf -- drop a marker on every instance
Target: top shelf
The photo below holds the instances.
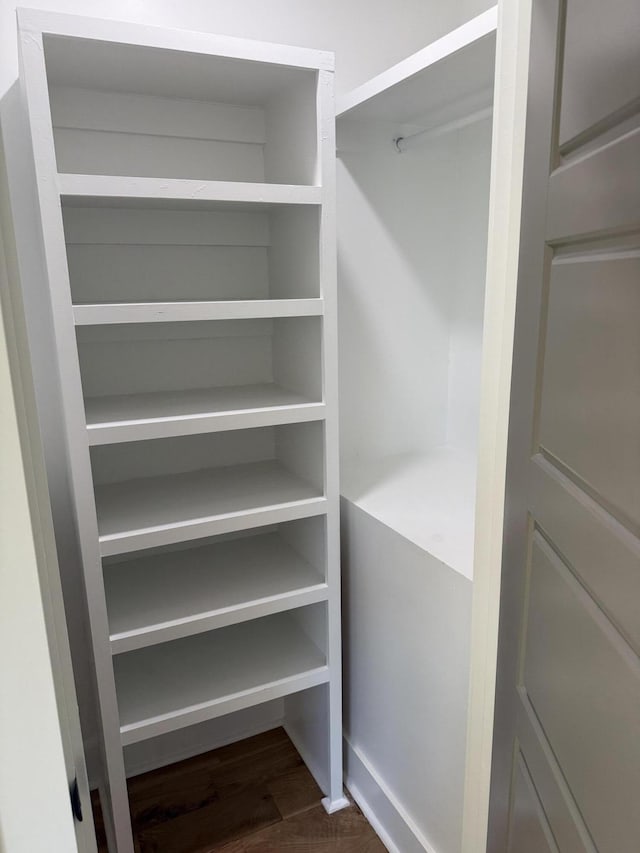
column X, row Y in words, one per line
column 457, row 68
column 102, row 45
column 176, row 193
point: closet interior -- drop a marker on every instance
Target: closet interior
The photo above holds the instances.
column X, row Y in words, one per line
column 186, row 199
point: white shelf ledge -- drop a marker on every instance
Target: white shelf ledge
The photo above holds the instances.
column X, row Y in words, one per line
column 460, row 66
column 153, row 511
column 167, row 687
column 428, row 498
column 123, row 191
column 209, row 46
column 180, row 593
column 133, row 417
column 176, row 312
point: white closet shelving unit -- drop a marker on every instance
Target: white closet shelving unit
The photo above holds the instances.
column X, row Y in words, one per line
column 186, row 194
column 414, row 167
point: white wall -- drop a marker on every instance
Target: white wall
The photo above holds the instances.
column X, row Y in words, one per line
column 367, row 36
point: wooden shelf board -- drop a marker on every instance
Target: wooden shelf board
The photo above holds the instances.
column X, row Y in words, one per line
column 177, row 193
column 166, row 687
column 171, row 312
column 152, row 511
column 176, row 594
column 456, row 67
column 132, row 417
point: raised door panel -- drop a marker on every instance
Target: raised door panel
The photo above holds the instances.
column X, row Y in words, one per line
column 598, row 548
column 584, row 685
column 594, row 86
column 590, row 408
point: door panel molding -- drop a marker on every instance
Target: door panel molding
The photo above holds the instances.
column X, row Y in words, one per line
column 596, row 194
column 560, row 808
column 603, row 553
column 529, row 831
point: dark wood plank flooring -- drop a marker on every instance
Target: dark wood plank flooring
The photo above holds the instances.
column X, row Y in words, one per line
column 254, row 796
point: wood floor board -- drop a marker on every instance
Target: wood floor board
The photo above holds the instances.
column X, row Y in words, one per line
column 225, row 755
column 254, row 796
column 312, row 831
column 193, row 784
column 206, row 829
column 294, row 791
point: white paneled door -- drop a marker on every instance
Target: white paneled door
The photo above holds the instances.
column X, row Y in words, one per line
column 566, row 759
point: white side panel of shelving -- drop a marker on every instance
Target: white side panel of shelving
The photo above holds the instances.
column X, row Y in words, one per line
column 318, row 739
column 406, row 639
column 34, row 81
column 292, row 141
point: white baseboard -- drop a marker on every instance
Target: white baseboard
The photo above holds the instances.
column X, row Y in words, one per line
column 395, row 828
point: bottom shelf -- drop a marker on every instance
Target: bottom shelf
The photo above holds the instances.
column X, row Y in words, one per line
column 165, row 687
column 428, row 498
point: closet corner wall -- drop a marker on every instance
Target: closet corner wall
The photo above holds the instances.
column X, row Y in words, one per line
column 414, row 164
column 185, row 201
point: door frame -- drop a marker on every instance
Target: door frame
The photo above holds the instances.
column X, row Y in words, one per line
column 505, row 204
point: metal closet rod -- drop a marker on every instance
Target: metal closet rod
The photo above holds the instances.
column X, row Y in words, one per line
column 405, row 143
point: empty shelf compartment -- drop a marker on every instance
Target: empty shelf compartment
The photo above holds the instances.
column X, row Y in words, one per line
column 144, row 254
column 154, row 380
column 152, row 493
column 161, row 596
column 124, row 109
column 169, row 686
